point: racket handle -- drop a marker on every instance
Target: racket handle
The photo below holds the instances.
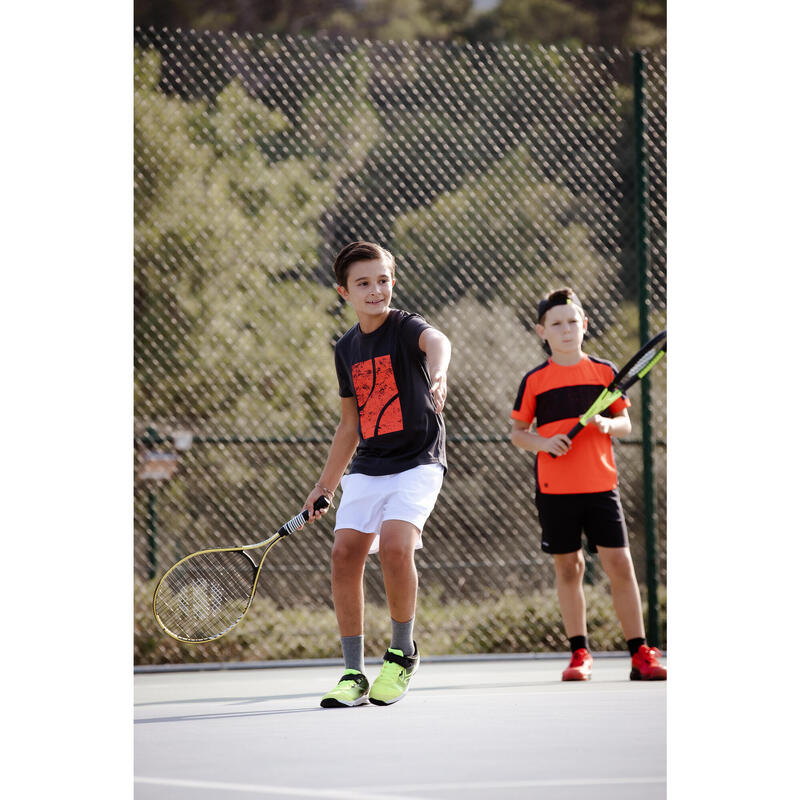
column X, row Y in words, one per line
column 319, row 504
column 576, row 429
column 295, row 523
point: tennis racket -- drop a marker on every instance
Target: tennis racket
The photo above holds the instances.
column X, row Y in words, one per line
column 206, row 594
column 633, row 371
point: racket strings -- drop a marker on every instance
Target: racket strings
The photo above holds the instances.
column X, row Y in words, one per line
column 642, row 362
column 646, row 358
column 206, row 595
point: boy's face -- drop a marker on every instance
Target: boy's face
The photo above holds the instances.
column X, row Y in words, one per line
column 563, row 329
column 369, row 287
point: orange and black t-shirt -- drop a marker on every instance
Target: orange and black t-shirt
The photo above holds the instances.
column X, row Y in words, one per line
column 555, row 397
column 387, row 373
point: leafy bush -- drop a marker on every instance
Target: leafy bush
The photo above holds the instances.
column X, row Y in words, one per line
column 508, row 623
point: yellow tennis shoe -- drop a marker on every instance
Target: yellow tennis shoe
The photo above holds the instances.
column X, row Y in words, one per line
column 350, row 691
column 392, row 683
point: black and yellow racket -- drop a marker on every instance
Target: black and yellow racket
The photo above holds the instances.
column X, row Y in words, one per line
column 633, row 371
column 206, row 594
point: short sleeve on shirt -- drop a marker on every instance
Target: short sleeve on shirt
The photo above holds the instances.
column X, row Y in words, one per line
column 525, row 404
column 344, row 377
column 411, row 328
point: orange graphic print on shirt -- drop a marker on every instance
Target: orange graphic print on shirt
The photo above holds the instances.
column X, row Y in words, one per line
column 377, row 396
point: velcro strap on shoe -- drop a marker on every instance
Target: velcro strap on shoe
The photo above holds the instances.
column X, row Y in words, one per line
column 406, row 662
column 358, row 677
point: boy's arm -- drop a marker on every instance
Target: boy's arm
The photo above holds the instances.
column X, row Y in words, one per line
column 523, row 437
column 618, row 425
column 436, row 347
column 344, row 444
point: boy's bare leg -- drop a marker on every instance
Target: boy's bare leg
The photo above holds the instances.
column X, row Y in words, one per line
column 397, row 542
column 396, row 549
column 618, row 565
column 569, row 569
column 348, row 557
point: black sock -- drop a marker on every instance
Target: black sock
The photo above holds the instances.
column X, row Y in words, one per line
column 635, row 644
column 578, row 642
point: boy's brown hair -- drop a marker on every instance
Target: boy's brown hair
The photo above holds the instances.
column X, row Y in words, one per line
column 359, row 251
column 559, row 297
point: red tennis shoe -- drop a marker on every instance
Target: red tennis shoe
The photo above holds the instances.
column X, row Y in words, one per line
column 580, row 666
column 645, row 666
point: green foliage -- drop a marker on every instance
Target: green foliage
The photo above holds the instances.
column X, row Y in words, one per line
column 543, row 22
column 648, row 25
column 329, row 113
column 492, row 350
column 458, row 235
column 225, row 245
column 386, row 20
column 475, row 166
column 633, row 24
column 505, row 623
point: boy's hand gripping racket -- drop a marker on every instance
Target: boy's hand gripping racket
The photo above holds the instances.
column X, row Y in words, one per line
column 206, row 594
column 633, row 371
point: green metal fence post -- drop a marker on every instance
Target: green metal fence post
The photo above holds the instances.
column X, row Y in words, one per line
column 643, row 253
column 152, row 536
column 151, row 438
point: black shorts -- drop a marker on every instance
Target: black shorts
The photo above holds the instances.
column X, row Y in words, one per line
column 564, row 517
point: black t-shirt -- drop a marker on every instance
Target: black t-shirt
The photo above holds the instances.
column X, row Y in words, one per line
column 388, row 375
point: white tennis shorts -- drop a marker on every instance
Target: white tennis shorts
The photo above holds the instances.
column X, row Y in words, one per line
column 368, row 500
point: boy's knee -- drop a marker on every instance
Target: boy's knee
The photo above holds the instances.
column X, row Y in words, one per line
column 397, row 543
column 395, row 553
column 617, row 562
column 570, row 566
column 345, row 552
column 396, row 550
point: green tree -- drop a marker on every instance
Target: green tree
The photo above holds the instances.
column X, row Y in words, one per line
column 245, row 16
column 395, row 20
column 556, row 22
column 632, row 24
column 225, row 248
column 539, row 238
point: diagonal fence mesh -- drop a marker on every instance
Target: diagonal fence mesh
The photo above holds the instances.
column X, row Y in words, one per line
column 494, row 173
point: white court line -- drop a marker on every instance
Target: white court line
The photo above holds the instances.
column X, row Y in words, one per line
column 481, row 695
column 447, row 693
column 366, row 793
column 414, row 787
column 282, row 791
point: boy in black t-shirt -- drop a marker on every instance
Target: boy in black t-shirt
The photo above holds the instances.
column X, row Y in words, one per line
column 392, row 371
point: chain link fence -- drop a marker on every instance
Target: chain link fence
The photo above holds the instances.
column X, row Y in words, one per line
column 494, row 174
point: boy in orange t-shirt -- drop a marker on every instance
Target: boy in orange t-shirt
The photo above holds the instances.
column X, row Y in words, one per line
column 576, row 492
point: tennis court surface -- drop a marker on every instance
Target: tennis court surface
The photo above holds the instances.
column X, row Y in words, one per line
column 505, row 729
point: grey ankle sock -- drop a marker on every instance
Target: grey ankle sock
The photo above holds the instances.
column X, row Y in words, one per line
column 353, row 652
column 403, row 636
